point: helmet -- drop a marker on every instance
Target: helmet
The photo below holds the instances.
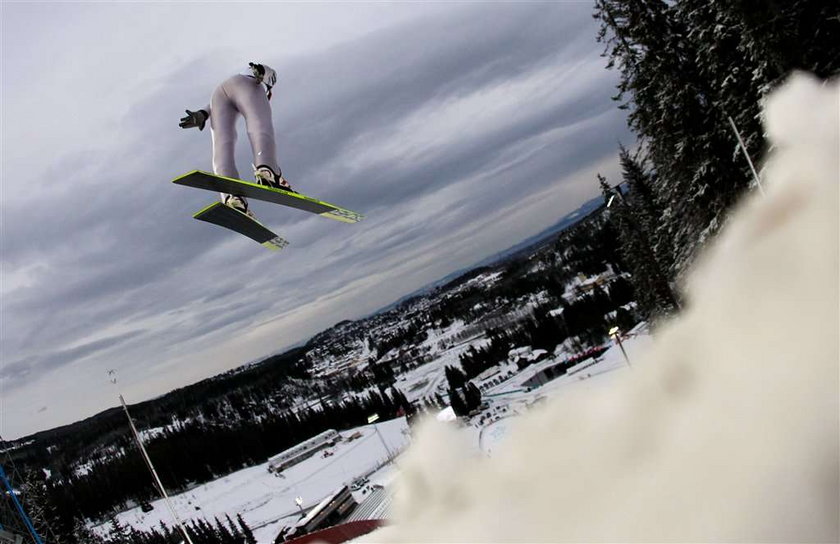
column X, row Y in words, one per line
column 265, row 75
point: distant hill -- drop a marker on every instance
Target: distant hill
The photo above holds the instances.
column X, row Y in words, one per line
column 567, row 221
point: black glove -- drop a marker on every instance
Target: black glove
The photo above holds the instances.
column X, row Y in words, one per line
column 194, row 119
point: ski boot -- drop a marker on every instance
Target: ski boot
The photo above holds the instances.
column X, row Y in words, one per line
column 266, row 176
column 239, row 204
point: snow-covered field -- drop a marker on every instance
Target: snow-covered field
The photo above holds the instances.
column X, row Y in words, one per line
column 267, row 502
column 429, row 379
column 509, row 399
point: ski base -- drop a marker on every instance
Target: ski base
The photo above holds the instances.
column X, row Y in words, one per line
column 229, row 218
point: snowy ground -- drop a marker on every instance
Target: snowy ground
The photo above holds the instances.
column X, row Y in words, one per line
column 267, row 502
column 428, row 379
column 509, row 398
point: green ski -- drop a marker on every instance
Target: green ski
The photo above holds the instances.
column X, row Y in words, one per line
column 221, row 184
column 225, row 216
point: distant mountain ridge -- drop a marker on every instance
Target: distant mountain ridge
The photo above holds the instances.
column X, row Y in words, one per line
column 567, row 221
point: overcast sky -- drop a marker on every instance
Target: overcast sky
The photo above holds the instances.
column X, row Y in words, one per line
column 459, row 129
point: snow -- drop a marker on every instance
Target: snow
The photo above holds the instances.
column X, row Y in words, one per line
column 494, row 434
column 149, row 434
column 83, row 469
column 484, row 280
column 725, row 430
column 447, row 414
column 428, row 379
column 266, row 501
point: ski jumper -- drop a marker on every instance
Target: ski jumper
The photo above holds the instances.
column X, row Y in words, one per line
column 241, row 95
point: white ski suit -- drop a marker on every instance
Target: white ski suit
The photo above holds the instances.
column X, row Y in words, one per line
column 245, row 95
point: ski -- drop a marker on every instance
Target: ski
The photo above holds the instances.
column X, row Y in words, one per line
column 211, row 182
column 225, row 216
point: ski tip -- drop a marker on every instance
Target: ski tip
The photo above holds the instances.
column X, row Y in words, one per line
column 188, row 174
column 275, row 244
column 345, row 216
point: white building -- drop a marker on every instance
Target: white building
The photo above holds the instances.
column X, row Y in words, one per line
column 298, row 453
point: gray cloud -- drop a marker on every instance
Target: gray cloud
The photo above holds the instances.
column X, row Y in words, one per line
column 18, row 373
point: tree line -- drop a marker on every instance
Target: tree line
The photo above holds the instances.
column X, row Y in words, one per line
column 198, row 530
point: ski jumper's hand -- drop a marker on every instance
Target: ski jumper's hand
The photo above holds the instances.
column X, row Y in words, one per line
column 194, row 119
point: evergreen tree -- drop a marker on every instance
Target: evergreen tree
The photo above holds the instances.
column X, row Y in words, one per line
column 119, row 533
column 455, row 377
column 674, row 112
column 456, row 400
column 473, row 395
column 83, row 534
column 227, row 534
column 34, row 494
column 651, row 288
column 689, row 66
column 246, row 531
column 641, row 211
column 168, row 534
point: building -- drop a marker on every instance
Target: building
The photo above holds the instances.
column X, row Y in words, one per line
column 304, row 450
column 368, row 516
column 330, row 511
column 377, row 505
column 545, row 375
column 337, row 534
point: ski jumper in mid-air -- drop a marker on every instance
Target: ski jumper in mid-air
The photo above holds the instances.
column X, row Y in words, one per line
column 246, row 95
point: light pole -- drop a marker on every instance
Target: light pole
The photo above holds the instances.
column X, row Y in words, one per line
column 371, row 419
column 746, row 154
column 299, row 503
column 164, row 495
